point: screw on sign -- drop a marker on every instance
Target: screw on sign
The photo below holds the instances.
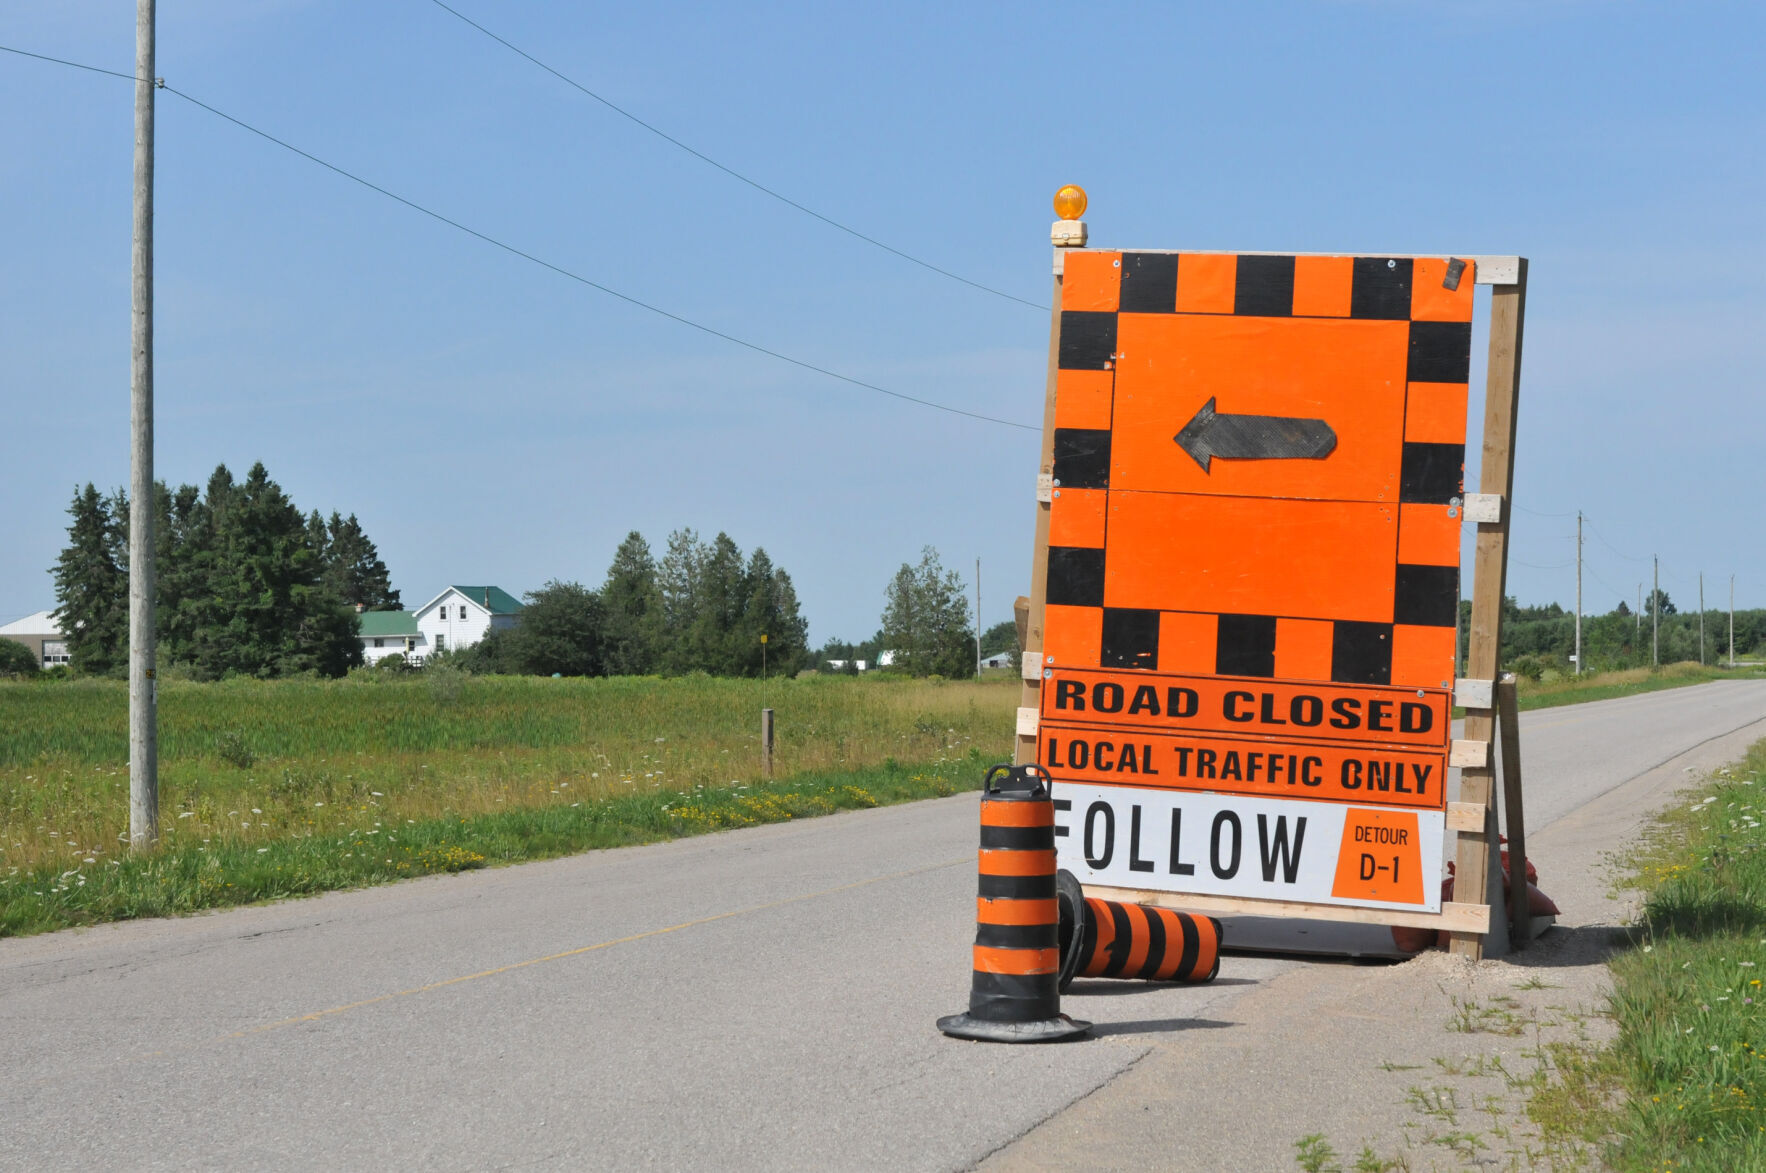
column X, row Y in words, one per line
column 1015, row 994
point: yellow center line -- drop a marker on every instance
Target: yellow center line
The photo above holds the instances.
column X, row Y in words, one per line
column 579, row 951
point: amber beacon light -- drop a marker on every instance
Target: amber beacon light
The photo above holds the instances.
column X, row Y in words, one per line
column 1070, row 202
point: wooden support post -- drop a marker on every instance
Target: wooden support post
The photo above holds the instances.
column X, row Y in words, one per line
column 1509, row 735
column 766, row 743
column 1502, row 392
column 1031, row 631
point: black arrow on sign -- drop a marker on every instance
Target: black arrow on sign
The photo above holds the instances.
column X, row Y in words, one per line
column 1254, row 437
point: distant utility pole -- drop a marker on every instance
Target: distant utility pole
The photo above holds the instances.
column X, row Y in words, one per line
column 1637, row 615
column 1655, row 611
column 1578, row 592
column 1701, row 619
column 143, row 719
column 977, row 618
column 1732, row 621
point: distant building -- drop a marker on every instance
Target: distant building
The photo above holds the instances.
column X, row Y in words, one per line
column 42, row 635
column 457, row 618
column 997, row 660
column 840, row 665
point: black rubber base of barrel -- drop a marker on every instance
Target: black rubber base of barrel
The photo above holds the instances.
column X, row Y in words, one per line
column 1044, row 1030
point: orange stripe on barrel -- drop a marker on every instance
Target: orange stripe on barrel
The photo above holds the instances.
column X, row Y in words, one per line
column 991, row 911
column 1005, row 861
column 1017, row 814
column 1209, row 950
column 1022, row 962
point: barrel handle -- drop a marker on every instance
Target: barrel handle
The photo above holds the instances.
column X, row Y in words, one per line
column 1039, row 778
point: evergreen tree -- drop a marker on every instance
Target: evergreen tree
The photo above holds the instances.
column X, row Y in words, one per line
column 678, row 577
column 926, row 620
column 353, row 569
column 631, row 600
column 771, row 609
column 716, row 640
column 180, row 537
column 92, row 583
column 270, row 612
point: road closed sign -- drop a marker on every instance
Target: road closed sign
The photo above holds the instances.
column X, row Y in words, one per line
column 1252, row 581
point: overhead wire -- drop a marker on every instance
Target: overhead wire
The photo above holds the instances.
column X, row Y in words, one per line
column 530, row 257
column 1609, row 545
column 727, row 170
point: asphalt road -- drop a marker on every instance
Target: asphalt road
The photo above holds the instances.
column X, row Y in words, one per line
column 756, row 999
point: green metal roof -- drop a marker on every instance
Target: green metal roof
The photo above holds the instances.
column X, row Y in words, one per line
column 501, row 601
column 378, row 624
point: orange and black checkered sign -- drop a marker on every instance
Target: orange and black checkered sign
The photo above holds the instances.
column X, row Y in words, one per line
column 1257, row 476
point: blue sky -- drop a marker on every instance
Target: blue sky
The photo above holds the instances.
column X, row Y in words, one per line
column 492, row 422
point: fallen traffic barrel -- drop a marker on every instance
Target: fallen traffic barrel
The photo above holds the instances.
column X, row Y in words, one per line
column 1014, row 994
column 1139, row 941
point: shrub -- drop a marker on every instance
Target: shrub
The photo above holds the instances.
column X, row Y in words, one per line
column 230, row 747
column 16, row 659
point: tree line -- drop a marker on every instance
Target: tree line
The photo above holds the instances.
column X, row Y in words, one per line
column 248, row 585
column 703, row 607
column 1543, row 638
column 245, row 584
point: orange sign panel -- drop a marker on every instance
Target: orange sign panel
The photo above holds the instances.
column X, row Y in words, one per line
column 1256, row 511
column 1380, row 858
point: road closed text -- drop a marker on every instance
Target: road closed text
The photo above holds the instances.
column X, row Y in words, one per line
column 1387, row 716
column 1343, row 773
column 1216, row 844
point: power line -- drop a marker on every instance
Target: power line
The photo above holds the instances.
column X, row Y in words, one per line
column 1536, row 512
column 1603, row 582
column 730, row 171
column 530, row 257
column 1613, row 548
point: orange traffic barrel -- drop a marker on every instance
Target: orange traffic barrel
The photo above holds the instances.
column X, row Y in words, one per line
column 1111, row 940
column 1015, row 994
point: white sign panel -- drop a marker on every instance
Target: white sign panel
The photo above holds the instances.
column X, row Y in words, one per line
column 1230, row 845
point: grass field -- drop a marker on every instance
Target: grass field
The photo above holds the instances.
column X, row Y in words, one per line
column 1684, row 1086
column 279, row 788
column 275, row 788
column 1600, row 686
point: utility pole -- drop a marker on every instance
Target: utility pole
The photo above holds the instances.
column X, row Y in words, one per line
column 1578, row 592
column 143, row 717
column 1701, row 619
column 1655, row 611
column 1637, row 615
column 977, row 618
column 1732, row 621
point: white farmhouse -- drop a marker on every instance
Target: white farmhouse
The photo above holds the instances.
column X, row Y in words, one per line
column 457, row 618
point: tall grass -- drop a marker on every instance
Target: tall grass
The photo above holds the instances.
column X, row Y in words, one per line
column 246, row 763
column 1684, row 1086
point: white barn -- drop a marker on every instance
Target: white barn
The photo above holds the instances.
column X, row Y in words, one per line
column 42, row 635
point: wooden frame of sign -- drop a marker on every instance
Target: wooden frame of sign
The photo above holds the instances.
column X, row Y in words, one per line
column 1487, row 698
